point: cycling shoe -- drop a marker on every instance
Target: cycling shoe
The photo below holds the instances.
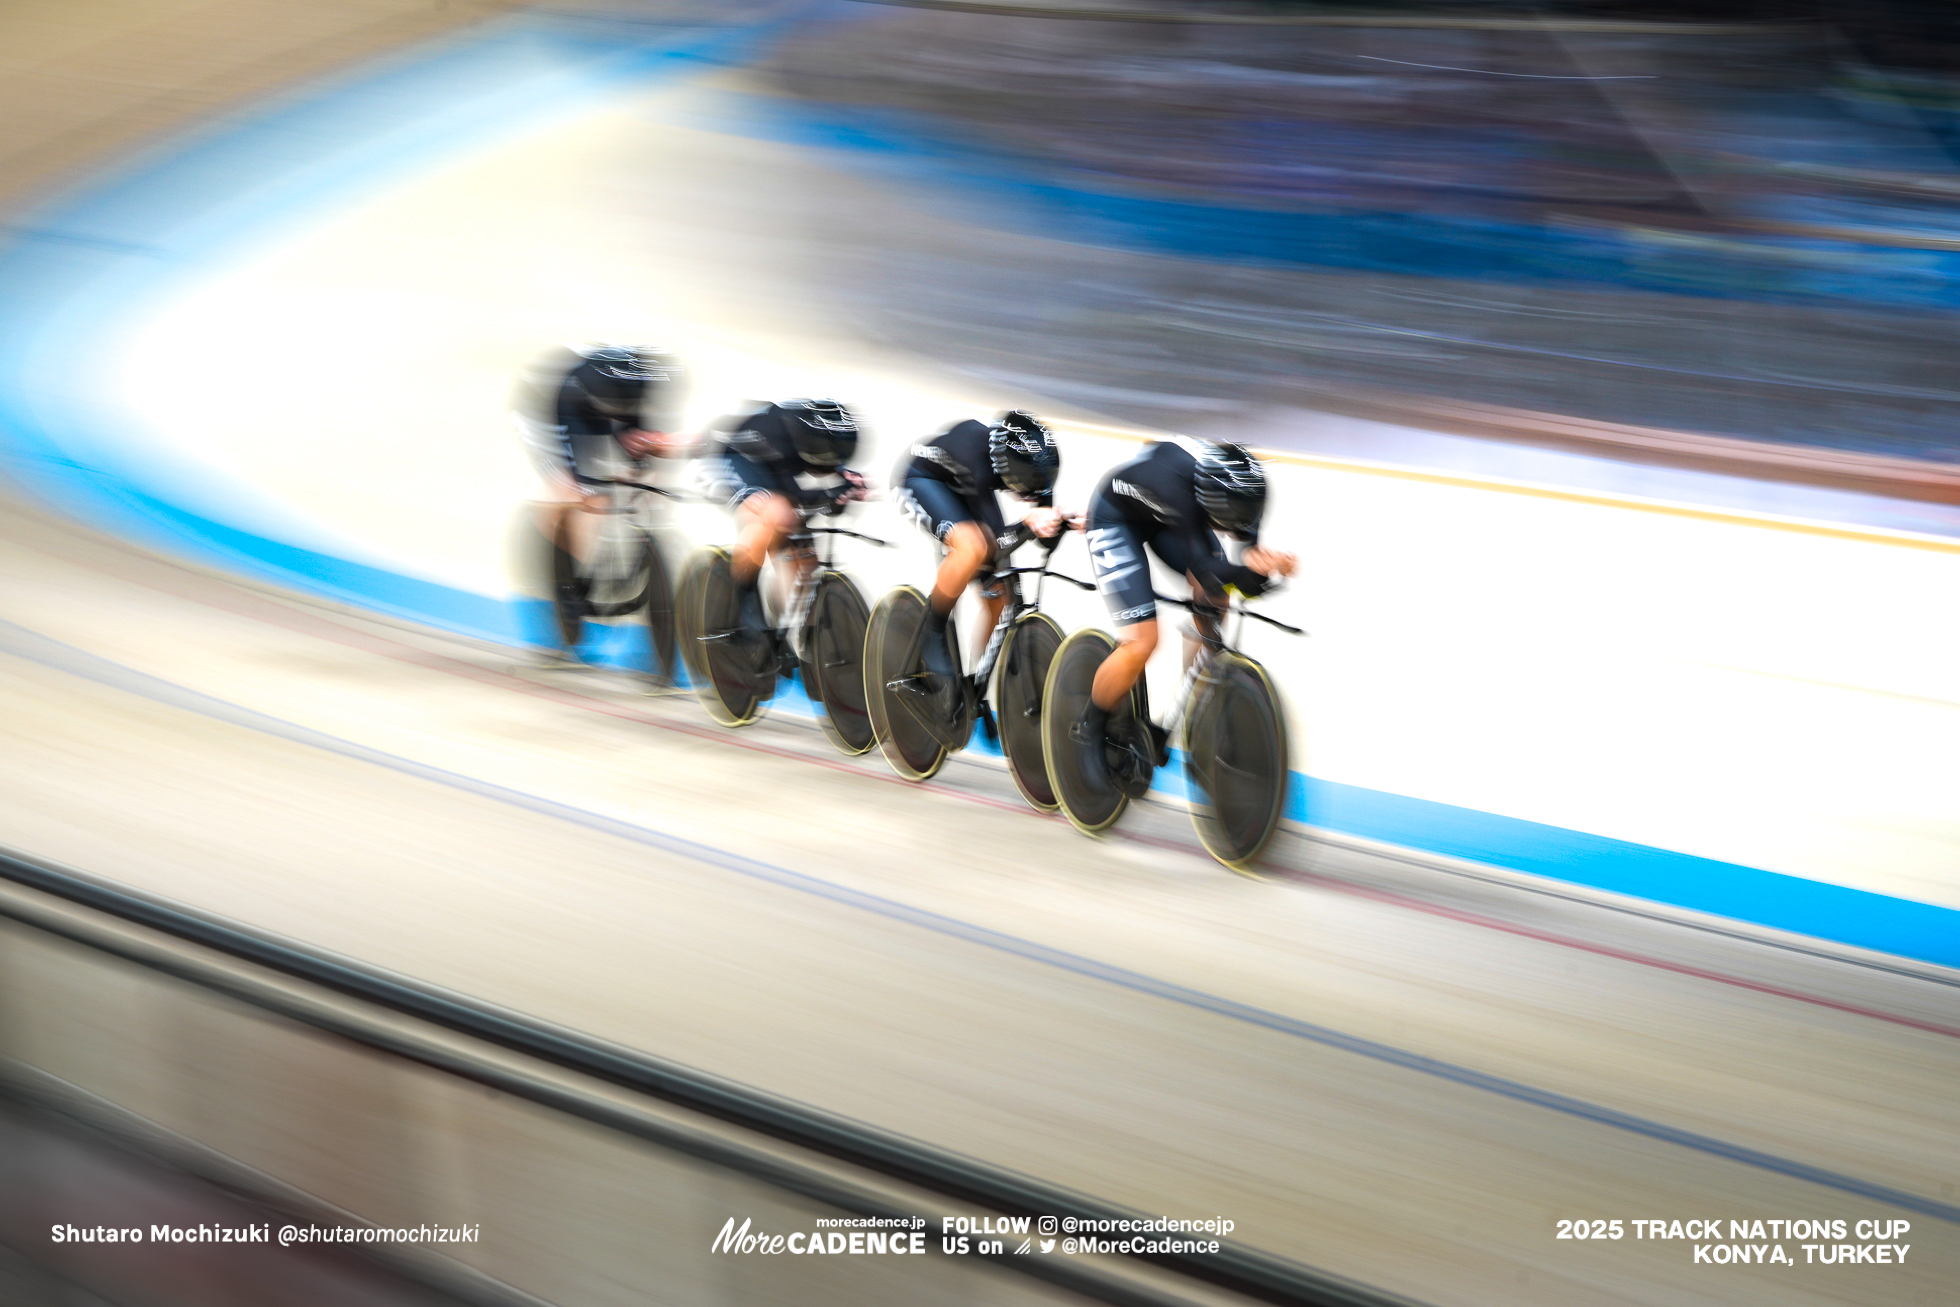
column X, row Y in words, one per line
column 937, row 655
column 1130, row 769
column 1091, row 755
column 1137, row 748
column 989, row 728
column 748, row 611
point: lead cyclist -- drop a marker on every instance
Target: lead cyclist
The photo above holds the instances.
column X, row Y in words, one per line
column 1171, row 500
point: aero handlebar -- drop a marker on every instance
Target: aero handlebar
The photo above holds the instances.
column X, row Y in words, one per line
column 681, row 495
column 855, row 535
column 1049, row 544
column 1240, row 609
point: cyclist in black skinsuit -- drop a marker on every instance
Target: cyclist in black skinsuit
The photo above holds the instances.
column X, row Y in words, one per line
column 577, row 409
column 1170, row 499
column 768, row 465
column 950, row 485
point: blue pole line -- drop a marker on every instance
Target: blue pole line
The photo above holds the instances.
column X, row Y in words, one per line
column 21, row 642
column 90, row 261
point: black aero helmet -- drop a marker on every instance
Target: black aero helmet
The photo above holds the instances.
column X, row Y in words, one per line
column 1231, row 489
column 825, row 433
column 1023, row 453
column 618, row 378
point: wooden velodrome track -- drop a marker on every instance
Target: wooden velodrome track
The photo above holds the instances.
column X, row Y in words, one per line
column 1399, row 1069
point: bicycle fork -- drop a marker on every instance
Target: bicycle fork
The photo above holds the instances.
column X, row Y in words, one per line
column 1185, row 689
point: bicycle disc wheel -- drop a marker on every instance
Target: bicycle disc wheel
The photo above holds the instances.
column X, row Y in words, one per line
column 1022, row 677
column 568, row 613
column 660, row 619
column 622, row 571
column 1092, row 805
column 835, row 643
column 1236, row 760
column 913, row 751
column 961, row 703
column 733, row 670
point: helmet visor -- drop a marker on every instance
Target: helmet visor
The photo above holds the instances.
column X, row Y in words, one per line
column 1238, row 516
column 1028, row 480
column 824, row 449
column 826, row 434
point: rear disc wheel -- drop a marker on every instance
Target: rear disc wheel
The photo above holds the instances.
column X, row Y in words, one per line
column 733, row 668
column 1092, row 803
column 834, row 642
column 1025, row 658
column 907, row 742
column 662, row 638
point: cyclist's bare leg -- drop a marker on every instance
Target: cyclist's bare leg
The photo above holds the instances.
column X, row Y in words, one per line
column 990, row 611
column 1204, row 620
column 802, row 562
column 1114, row 679
column 1119, row 672
column 569, row 519
column 967, row 551
column 763, row 522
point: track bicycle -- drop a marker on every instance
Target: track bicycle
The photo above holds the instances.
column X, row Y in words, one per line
column 734, row 667
column 626, row 574
column 1234, row 737
column 918, row 724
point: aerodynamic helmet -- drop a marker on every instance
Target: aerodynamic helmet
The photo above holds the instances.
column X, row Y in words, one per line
column 1231, row 489
column 825, row 433
column 1024, row 454
column 617, row 379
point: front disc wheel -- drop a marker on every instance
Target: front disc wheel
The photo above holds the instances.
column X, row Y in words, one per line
column 1236, row 760
column 1019, row 685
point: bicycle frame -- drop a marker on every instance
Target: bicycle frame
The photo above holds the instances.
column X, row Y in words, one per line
column 1016, row 605
column 636, row 508
column 811, row 563
column 1212, row 642
column 616, row 484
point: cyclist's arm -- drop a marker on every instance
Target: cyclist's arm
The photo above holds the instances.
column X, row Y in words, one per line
column 1269, row 562
column 1012, row 538
column 549, row 443
column 551, row 450
column 1194, row 552
column 1029, row 529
